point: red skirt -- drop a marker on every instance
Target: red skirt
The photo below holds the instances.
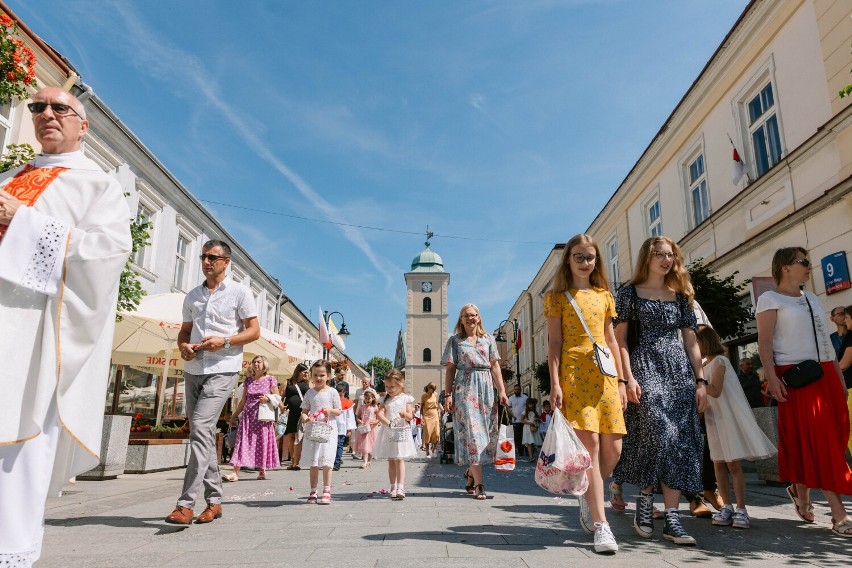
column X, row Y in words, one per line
column 813, row 430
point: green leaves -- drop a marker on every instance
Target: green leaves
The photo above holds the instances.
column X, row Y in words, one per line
column 720, row 299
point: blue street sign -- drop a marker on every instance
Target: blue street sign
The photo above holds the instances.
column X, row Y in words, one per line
column 835, row 271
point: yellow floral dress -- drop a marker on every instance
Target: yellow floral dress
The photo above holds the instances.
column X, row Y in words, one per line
column 590, row 399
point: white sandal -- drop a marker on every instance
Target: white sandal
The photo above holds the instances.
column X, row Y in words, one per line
column 843, row 528
column 230, row 477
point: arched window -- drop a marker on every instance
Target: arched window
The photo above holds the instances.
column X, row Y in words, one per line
column 427, row 355
column 427, row 304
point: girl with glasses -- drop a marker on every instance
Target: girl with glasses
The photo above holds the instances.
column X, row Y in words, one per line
column 813, row 422
column 655, row 329
column 590, row 401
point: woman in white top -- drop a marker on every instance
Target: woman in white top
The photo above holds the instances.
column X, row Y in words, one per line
column 813, row 424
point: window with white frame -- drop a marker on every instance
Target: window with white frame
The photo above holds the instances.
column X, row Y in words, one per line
column 5, row 123
column 763, row 129
column 144, row 214
column 612, row 260
column 181, row 262
column 654, row 219
column 699, row 198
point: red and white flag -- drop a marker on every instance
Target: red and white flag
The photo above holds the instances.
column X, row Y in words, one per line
column 324, row 335
column 740, row 168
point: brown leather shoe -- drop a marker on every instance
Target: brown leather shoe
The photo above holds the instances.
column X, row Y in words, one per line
column 209, row 514
column 713, row 498
column 699, row 509
column 180, row 516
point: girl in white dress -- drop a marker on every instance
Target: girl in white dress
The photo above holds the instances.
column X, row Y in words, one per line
column 321, row 403
column 397, row 409
column 732, row 432
column 530, row 421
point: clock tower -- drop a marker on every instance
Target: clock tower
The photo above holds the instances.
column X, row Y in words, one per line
column 426, row 322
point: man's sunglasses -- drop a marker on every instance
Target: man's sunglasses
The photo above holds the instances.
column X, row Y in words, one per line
column 58, row 109
column 211, row 257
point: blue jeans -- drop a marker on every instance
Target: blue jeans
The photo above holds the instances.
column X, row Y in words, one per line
column 341, row 440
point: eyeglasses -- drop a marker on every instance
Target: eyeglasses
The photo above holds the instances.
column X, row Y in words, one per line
column 581, row 258
column 58, row 109
column 803, row 261
column 211, row 257
column 661, row 255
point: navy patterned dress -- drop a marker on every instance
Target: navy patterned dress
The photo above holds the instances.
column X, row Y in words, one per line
column 663, row 441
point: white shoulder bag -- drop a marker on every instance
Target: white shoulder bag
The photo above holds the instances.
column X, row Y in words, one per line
column 603, row 356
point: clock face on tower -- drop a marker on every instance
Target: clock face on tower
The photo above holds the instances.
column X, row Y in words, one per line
column 426, row 287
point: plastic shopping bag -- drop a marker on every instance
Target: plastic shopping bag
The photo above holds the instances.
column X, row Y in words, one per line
column 563, row 460
column 504, row 461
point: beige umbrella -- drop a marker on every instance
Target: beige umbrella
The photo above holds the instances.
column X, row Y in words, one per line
column 147, row 337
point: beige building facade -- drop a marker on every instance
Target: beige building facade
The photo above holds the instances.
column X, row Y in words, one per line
column 772, row 87
column 426, row 321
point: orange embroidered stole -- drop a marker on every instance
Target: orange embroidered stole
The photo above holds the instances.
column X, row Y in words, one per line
column 28, row 184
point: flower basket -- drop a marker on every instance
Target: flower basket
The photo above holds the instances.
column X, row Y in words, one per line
column 319, row 432
column 399, row 431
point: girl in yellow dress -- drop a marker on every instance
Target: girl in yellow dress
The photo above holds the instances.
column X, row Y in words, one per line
column 593, row 403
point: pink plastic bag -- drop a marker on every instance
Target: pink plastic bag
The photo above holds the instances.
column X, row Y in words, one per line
column 563, row 461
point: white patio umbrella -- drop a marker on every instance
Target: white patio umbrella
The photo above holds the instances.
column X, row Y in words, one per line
column 147, row 337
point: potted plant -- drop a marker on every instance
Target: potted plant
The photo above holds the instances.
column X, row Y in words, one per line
column 17, row 63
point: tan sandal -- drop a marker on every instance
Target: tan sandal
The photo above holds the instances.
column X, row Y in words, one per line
column 230, row 477
column 843, row 528
column 616, row 497
column 797, row 502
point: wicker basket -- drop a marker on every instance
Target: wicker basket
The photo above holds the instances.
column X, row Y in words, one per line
column 399, row 431
column 319, row 432
column 364, row 428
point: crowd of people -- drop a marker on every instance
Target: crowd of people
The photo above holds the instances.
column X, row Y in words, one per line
column 674, row 418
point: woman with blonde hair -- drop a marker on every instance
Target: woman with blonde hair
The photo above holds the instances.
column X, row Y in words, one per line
column 580, row 310
column 255, row 445
column 429, row 418
column 813, row 423
column 661, row 364
column 473, row 372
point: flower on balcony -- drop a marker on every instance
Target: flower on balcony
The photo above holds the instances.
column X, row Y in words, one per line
column 17, row 63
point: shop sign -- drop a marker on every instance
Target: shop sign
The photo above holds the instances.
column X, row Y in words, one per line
column 835, row 272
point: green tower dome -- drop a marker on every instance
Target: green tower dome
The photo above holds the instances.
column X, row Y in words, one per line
column 427, row 261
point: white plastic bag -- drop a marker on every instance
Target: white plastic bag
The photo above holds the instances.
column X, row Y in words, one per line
column 504, row 461
column 563, row 461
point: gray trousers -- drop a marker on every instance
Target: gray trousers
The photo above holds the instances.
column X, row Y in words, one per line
column 205, row 397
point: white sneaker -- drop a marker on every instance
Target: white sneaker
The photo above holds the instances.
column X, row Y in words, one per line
column 585, row 515
column 604, row 539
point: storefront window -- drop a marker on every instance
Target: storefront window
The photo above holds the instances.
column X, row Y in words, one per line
column 138, row 393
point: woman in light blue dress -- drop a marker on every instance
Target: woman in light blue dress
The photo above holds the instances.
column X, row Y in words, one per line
column 473, row 370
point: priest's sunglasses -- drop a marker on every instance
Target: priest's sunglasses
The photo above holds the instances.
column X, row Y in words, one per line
column 58, row 109
column 212, row 257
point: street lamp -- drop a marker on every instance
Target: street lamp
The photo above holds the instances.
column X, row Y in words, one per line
column 501, row 338
column 342, row 333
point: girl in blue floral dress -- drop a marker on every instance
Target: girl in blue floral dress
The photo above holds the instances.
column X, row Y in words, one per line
column 662, row 450
column 473, row 369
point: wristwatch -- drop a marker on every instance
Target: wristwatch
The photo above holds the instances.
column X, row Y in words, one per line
column 701, row 380
column 227, row 343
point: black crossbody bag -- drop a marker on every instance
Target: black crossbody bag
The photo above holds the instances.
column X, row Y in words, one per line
column 808, row 371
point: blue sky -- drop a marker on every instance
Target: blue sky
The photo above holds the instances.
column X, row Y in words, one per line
column 507, row 123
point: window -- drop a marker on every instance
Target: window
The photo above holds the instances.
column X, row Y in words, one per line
column 655, row 223
column 427, row 355
column 763, row 129
column 181, row 260
column 5, row 123
column 144, row 214
column 612, row 258
column 427, row 304
column 698, row 196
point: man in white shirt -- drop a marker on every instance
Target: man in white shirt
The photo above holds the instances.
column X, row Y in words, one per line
column 517, row 403
column 64, row 239
column 219, row 317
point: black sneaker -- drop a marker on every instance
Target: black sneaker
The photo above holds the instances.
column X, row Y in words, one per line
column 643, row 520
column 336, row 468
column 674, row 530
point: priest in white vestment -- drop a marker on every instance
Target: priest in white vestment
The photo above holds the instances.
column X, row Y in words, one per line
column 64, row 239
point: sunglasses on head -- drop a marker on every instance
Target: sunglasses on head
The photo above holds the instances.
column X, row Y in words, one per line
column 58, row 109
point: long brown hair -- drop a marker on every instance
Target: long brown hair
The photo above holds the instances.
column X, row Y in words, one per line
column 563, row 279
column 459, row 330
column 300, row 368
column 677, row 278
